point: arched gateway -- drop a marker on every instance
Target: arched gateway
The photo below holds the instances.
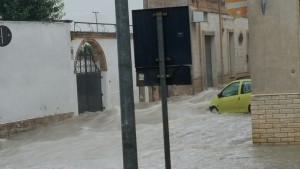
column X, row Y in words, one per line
column 104, row 59
column 89, row 63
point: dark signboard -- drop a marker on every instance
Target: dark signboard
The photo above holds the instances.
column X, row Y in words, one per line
column 177, row 41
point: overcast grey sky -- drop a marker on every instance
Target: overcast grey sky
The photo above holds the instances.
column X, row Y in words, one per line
column 81, row 10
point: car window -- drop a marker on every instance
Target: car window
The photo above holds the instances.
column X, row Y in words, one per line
column 231, row 90
column 246, row 87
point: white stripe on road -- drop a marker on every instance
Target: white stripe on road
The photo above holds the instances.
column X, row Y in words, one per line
column 236, row 5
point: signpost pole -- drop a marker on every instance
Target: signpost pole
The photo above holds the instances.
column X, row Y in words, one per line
column 130, row 160
column 163, row 87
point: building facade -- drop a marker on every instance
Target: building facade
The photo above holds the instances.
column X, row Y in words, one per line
column 274, row 60
column 219, row 47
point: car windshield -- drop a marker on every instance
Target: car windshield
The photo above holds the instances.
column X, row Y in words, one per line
column 231, row 90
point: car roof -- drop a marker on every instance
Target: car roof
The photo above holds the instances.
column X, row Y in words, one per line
column 243, row 77
column 247, row 79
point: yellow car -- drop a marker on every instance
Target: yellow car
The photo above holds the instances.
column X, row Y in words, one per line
column 235, row 98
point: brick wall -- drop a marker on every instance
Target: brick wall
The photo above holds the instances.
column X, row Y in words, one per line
column 209, row 5
column 276, row 119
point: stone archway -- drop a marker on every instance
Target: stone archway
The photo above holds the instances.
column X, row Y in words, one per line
column 98, row 53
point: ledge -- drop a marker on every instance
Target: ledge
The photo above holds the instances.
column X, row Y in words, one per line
column 12, row 128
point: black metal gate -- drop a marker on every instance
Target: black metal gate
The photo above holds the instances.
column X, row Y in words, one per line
column 88, row 76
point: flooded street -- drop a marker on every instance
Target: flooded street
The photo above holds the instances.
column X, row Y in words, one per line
column 199, row 140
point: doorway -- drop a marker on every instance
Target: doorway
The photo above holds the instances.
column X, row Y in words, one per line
column 88, row 76
column 208, row 61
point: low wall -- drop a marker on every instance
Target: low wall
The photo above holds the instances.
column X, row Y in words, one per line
column 13, row 128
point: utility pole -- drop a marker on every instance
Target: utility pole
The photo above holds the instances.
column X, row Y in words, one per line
column 130, row 160
column 96, row 13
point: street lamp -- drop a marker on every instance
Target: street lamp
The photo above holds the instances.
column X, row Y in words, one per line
column 96, row 13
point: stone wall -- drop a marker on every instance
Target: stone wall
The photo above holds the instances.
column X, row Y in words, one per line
column 13, row 128
column 276, row 119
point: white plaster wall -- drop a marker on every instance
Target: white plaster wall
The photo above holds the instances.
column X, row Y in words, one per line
column 36, row 76
column 110, row 80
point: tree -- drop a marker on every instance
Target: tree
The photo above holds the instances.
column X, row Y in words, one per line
column 31, row 10
column 86, row 49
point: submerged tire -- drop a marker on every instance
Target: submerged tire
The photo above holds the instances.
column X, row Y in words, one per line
column 214, row 110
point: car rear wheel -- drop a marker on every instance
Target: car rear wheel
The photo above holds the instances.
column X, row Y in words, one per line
column 249, row 109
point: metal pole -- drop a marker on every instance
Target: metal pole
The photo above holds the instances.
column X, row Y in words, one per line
column 1, row 36
column 130, row 160
column 96, row 13
column 85, row 57
column 163, row 87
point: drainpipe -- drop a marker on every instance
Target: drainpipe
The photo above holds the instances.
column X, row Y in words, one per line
column 201, row 52
column 201, row 58
column 221, row 41
column 146, row 4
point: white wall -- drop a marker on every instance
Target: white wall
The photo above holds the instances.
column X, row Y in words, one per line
column 36, row 77
column 110, row 80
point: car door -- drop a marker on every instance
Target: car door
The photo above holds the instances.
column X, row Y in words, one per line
column 229, row 98
column 245, row 96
